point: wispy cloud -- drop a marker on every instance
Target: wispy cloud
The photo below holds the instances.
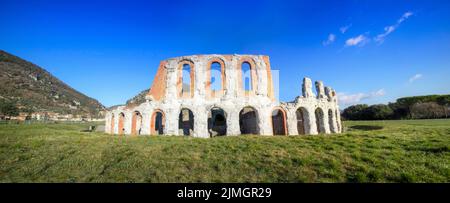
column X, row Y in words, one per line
column 331, row 38
column 415, row 77
column 391, row 28
column 405, row 16
column 344, row 29
column 359, row 40
column 349, row 99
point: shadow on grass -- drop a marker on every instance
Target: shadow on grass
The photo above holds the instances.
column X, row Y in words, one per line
column 434, row 150
column 366, row 127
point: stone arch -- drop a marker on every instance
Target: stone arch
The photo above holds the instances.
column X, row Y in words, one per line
column 182, row 93
column 302, row 117
column 270, row 88
column 120, row 125
column 252, row 75
column 157, row 122
column 331, row 120
column 186, row 122
column 136, row 123
column 217, row 122
column 338, row 124
column 209, row 90
column 112, row 123
column 248, row 120
column 278, row 118
column 320, row 120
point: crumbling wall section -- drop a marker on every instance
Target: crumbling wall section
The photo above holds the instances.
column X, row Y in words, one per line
column 158, row 88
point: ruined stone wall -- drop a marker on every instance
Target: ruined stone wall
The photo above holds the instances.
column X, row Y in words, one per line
column 166, row 96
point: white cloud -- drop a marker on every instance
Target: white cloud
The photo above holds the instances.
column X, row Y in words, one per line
column 405, row 16
column 415, row 77
column 331, row 38
column 349, row 99
column 389, row 29
column 378, row 93
column 359, row 40
column 344, row 29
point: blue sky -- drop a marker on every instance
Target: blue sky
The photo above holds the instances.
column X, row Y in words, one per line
column 369, row 51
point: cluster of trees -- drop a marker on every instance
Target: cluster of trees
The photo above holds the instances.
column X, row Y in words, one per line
column 8, row 109
column 418, row 107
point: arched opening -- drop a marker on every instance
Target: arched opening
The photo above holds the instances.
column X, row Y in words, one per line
column 248, row 121
column 185, row 83
column 216, row 73
column 186, row 122
column 217, row 122
column 301, row 114
column 112, row 124
column 120, row 126
column 331, row 120
column 337, row 121
column 136, row 123
column 279, row 122
column 246, row 76
column 216, row 76
column 186, row 88
column 157, row 123
column 320, row 123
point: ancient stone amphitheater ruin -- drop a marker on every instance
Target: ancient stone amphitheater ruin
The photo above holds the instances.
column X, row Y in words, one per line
column 183, row 101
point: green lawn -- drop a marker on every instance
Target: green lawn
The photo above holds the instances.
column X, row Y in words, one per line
column 401, row 151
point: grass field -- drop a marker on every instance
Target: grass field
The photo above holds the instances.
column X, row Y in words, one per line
column 370, row 151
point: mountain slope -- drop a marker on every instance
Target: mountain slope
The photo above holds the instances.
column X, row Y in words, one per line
column 138, row 99
column 31, row 87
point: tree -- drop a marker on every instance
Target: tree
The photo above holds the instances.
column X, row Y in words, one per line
column 355, row 112
column 399, row 111
column 8, row 109
column 429, row 106
column 406, row 103
column 378, row 112
column 444, row 101
column 427, row 110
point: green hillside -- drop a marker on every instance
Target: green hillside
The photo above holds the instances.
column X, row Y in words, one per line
column 31, row 87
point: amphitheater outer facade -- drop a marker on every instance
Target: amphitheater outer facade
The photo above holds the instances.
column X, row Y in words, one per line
column 182, row 101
